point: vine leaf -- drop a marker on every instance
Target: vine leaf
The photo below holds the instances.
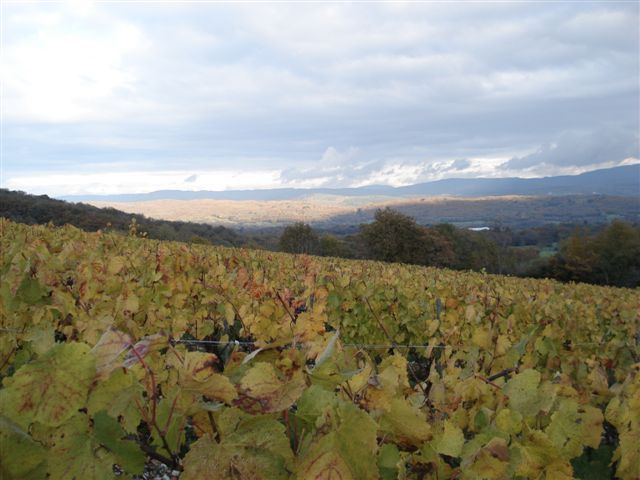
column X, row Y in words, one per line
column 509, row 421
column 490, row 461
column 111, row 345
column 347, row 451
column 314, row 402
column 253, row 447
column 76, row 455
column 265, row 388
column 392, row 382
column 451, row 441
column 526, row 396
column 405, row 424
column 150, row 343
column 538, row 456
column 198, row 374
column 388, row 459
column 51, row 389
column 31, row 291
column 573, row 426
column 27, row 458
column 109, row 433
column 118, row 395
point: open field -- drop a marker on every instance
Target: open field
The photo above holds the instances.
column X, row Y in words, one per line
column 333, row 211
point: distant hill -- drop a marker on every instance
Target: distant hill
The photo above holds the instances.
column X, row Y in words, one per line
column 623, row 181
column 40, row 209
column 339, row 215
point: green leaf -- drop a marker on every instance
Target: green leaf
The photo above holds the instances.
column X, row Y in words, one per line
column 253, row 447
column 172, row 420
column 22, row 458
column 109, row 433
column 522, row 391
column 594, row 464
column 117, row 395
column 573, row 426
column 451, row 441
column 51, row 389
column 42, row 339
column 31, row 291
column 314, row 402
column 75, row 454
column 509, row 421
column 347, row 451
column 388, row 458
column 405, row 424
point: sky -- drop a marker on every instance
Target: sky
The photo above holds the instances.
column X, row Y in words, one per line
column 117, row 97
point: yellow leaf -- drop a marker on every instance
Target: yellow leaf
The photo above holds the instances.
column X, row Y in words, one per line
column 405, row 424
column 451, row 441
column 115, row 265
column 509, row 421
column 481, row 338
column 132, row 304
column 574, row 426
column 198, row 374
column 265, row 389
column 51, row 389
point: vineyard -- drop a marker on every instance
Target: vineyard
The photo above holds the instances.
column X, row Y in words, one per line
column 230, row 363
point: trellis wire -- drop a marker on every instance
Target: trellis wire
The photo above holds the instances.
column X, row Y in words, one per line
column 354, row 345
column 373, row 346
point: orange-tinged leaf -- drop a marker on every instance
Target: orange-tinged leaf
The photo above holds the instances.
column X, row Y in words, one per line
column 51, row 389
column 198, row 374
column 251, row 447
column 150, row 343
column 347, row 451
column 265, row 389
column 108, row 350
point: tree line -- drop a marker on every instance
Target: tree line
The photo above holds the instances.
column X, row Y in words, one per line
column 608, row 257
column 592, row 254
column 41, row 209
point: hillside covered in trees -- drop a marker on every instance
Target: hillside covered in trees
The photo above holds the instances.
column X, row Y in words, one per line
column 606, row 256
column 39, row 209
column 600, row 254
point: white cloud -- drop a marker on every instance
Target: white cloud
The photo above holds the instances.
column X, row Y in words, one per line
column 142, row 182
column 293, row 89
column 62, row 72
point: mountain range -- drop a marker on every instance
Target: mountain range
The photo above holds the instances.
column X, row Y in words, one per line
column 624, row 180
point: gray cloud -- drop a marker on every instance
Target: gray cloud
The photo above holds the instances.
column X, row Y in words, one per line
column 191, row 178
column 582, row 149
column 460, row 164
column 337, row 93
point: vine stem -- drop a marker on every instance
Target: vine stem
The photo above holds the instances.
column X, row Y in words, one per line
column 293, row 318
column 6, row 360
column 154, row 402
column 395, row 345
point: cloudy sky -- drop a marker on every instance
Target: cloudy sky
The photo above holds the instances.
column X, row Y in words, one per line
column 113, row 97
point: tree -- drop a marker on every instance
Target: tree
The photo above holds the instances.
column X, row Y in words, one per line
column 394, row 237
column 299, row 238
column 331, row 246
column 471, row 250
column 575, row 259
column 612, row 257
column 618, row 254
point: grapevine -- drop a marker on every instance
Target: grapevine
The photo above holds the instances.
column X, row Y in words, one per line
column 235, row 363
